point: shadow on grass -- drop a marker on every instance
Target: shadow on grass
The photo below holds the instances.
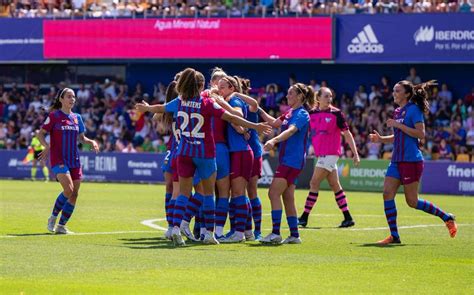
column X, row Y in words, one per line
column 262, row 245
column 156, row 243
column 31, row 235
column 383, row 246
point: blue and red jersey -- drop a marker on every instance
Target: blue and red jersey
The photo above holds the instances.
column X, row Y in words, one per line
column 405, row 147
column 293, row 150
column 237, row 141
column 193, row 119
column 64, row 130
column 254, row 140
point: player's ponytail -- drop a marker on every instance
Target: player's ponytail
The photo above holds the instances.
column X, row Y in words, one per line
column 418, row 94
column 57, row 105
column 231, row 81
column 308, row 94
column 244, row 84
column 190, row 84
column 217, row 74
column 171, row 94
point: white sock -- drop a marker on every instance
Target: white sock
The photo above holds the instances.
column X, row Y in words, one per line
column 184, row 223
column 219, row 231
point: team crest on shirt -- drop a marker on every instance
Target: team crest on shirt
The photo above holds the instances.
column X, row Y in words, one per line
column 75, row 120
column 327, row 120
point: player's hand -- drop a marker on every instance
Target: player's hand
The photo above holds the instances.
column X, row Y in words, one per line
column 375, row 136
column 264, row 128
column 269, row 145
column 157, row 117
column 247, row 136
column 356, row 160
column 392, row 123
column 95, row 146
column 142, row 107
column 43, row 156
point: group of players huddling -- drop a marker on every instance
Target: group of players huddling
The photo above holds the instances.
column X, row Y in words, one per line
column 215, row 149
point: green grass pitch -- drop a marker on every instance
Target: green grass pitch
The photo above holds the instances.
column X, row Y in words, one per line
column 113, row 252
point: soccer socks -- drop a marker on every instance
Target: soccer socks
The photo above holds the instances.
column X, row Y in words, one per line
column 241, row 212
column 209, row 212
column 222, row 208
column 391, row 215
column 169, row 206
column 310, row 201
column 432, row 209
column 276, row 220
column 68, row 208
column 59, row 204
column 257, row 213
column 46, row 173
column 179, row 208
column 33, row 172
column 342, row 203
column 192, row 207
column 293, row 225
column 232, row 214
column 248, row 224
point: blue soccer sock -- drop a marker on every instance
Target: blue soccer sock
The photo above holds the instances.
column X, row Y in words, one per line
column 293, row 224
column 248, row 224
column 167, row 205
column 257, row 213
column 179, row 208
column 276, row 219
column 59, row 204
column 432, row 209
column 192, row 207
column 68, row 208
column 391, row 215
column 209, row 212
column 170, row 212
column 232, row 214
column 222, row 208
column 241, row 212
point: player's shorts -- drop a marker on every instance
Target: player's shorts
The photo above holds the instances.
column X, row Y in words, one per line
column 222, row 160
column 187, row 166
column 257, row 167
column 288, row 173
column 327, row 162
column 36, row 154
column 166, row 167
column 406, row 172
column 76, row 173
column 241, row 164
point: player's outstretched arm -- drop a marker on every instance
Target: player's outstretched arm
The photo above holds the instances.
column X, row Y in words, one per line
column 93, row 143
column 350, row 139
column 260, row 127
column 41, row 137
column 275, row 123
column 269, row 145
column 145, row 107
column 376, row 137
column 253, row 104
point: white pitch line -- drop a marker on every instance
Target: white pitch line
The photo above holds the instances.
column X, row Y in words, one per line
column 86, row 234
column 150, row 223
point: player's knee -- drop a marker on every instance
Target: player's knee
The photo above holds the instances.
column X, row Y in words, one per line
column 68, row 192
column 388, row 195
column 314, row 185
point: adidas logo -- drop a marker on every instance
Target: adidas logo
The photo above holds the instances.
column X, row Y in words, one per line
column 365, row 42
column 267, row 173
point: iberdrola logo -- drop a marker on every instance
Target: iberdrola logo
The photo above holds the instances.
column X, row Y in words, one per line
column 343, row 170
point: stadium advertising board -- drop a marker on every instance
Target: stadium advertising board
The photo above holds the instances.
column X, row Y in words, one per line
column 119, row 167
column 448, row 178
column 210, row 38
column 405, row 38
column 368, row 176
column 21, row 39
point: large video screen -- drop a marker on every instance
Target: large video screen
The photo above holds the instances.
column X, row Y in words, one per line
column 211, row 38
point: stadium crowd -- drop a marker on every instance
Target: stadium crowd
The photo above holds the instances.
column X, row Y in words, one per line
column 109, row 116
column 220, row 8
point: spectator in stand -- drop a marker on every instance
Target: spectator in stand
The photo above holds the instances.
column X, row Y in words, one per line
column 445, row 94
column 374, row 92
column 459, row 109
column 360, row 97
column 413, row 77
column 469, row 135
column 386, row 90
column 386, row 6
column 469, row 98
column 445, row 151
column 466, row 6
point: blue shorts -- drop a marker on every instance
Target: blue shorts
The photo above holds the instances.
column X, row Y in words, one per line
column 222, row 160
column 392, row 171
column 166, row 167
column 76, row 173
column 188, row 166
column 196, row 178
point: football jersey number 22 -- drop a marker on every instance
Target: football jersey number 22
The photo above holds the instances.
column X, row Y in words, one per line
column 196, row 130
